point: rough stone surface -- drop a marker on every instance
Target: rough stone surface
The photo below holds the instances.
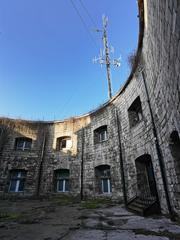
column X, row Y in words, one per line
column 51, row 220
column 160, row 61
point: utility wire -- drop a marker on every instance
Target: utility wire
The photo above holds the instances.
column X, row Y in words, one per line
column 64, row 107
column 94, row 23
column 87, row 12
column 84, row 23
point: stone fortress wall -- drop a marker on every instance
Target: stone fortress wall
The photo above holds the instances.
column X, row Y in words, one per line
column 141, row 123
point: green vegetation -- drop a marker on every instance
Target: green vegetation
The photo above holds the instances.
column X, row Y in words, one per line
column 64, row 200
column 132, row 58
column 96, row 203
column 23, row 217
column 9, row 216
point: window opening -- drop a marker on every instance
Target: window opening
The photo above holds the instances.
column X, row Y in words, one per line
column 103, row 179
column 17, row 180
column 175, row 151
column 135, row 112
column 62, row 180
column 64, row 143
column 100, row 134
column 23, row 144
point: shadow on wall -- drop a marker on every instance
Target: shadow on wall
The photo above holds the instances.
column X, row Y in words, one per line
column 20, row 155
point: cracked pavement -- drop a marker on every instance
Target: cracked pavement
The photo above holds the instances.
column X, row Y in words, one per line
column 49, row 220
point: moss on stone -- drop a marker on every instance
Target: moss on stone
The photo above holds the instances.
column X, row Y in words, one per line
column 5, row 216
column 95, row 203
column 63, row 200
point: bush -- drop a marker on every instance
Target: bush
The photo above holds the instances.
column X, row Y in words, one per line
column 132, row 59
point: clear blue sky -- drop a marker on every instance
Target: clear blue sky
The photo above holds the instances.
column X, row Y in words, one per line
column 46, row 69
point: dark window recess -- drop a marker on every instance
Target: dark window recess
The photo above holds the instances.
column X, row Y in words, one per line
column 175, row 151
column 103, row 179
column 62, row 180
column 135, row 112
column 1, row 131
column 17, row 180
column 23, row 144
column 100, row 134
column 146, row 185
column 63, row 143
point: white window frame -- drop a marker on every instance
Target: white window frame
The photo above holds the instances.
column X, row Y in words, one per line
column 23, row 148
column 64, row 185
column 101, row 134
column 19, row 175
column 108, row 183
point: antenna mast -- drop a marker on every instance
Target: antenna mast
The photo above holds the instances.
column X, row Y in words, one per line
column 107, row 59
column 104, row 57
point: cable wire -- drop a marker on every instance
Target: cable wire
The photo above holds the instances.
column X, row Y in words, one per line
column 87, row 12
column 83, row 22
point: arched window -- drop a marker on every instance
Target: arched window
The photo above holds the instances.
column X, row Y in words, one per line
column 135, row 112
column 146, row 184
column 17, row 180
column 175, row 144
column 23, row 143
column 100, row 134
column 63, row 143
column 103, row 179
column 62, row 180
column 175, row 151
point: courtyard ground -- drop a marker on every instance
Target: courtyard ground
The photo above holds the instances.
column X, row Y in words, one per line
column 62, row 218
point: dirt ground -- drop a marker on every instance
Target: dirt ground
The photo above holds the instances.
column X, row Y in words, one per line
column 62, row 218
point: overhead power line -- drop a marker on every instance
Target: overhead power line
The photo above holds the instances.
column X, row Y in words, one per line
column 87, row 12
column 83, row 22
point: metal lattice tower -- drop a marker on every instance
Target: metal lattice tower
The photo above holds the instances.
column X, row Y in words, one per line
column 104, row 56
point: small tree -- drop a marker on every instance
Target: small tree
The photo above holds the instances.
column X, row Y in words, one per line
column 132, row 59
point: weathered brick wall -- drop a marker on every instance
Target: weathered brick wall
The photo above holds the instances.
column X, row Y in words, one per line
column 11, row 158
column 161, row 53
column 55, row 159
column 30, row 160
column 160, row 62
column 103, row 153
column 136, row 140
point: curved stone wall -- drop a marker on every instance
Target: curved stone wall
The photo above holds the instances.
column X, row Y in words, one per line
column 137, row 123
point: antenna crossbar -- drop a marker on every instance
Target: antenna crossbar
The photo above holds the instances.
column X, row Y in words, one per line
column 104, row 56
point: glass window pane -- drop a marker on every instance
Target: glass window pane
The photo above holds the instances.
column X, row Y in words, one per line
column 12, row 185
column 20, row 144
column 66, row 185
column 17, row 180
column 102, row 136
column 60, row 185
column 27, row 145
column 105, row 185
column 23, row 143
column 21, row 186
column 23, row 174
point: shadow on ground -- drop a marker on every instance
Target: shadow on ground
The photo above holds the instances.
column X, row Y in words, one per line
column 64, row 218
